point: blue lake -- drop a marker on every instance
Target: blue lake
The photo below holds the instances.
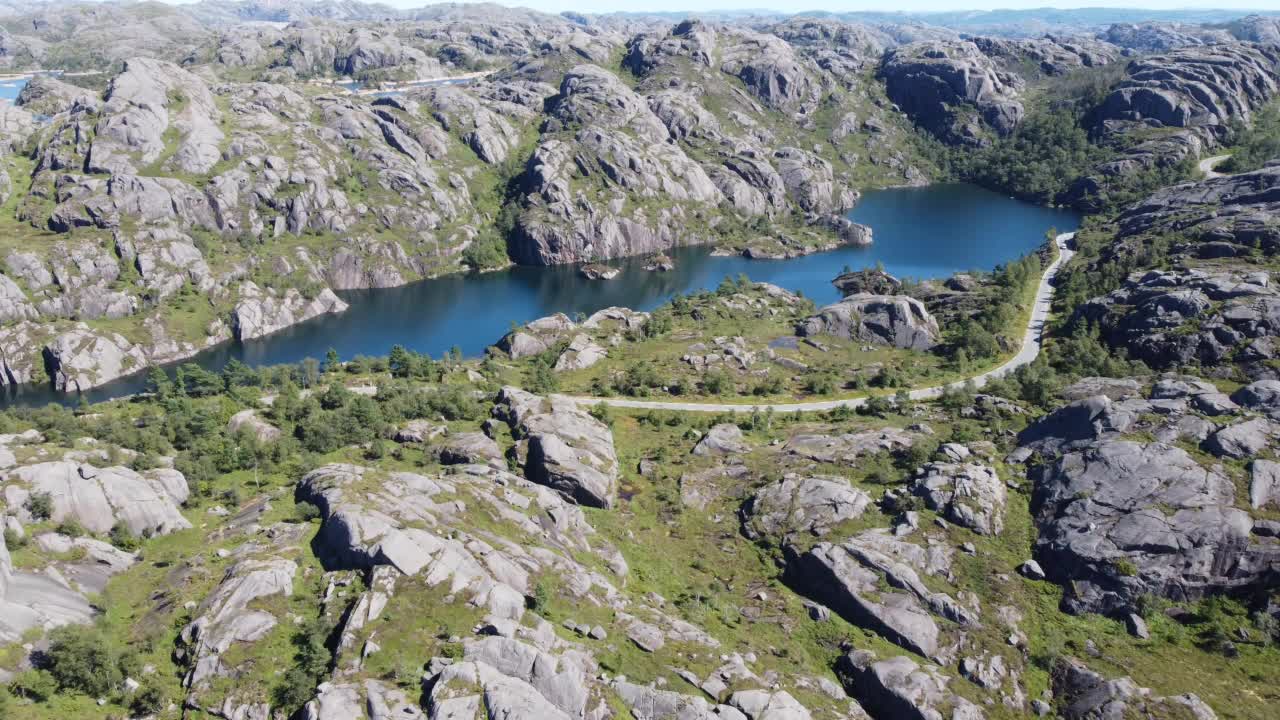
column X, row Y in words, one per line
column 9, row 89
column 924, row 232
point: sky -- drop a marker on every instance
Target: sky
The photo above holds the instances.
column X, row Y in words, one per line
column 856, row 5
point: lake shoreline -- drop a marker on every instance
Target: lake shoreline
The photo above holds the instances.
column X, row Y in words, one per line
column 921, row 232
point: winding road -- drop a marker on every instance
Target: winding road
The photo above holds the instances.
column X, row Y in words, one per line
column 1031, row 342
column 1208, row 164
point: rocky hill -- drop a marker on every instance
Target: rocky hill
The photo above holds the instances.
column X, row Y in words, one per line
column 624, row 515
column 227, row 195
column 221, row 185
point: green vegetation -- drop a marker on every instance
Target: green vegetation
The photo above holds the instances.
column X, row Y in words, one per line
column 695, row 558
column 1038, row 161
column 1002, row 320
column 81, row 661
column 1257, row 144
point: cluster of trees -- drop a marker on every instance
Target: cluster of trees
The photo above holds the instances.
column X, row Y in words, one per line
column 80, row 659
column 979, row 337
column 186, row 415
column 1258, row 143
column 1037, row 162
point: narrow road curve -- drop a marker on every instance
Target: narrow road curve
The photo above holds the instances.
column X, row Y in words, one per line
column 1208, row 164
column 1031, row 342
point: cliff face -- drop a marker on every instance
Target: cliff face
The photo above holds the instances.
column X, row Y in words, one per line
column 1175, row 106
column 952, row 90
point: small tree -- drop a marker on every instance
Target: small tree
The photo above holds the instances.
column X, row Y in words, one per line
column 71, row 528
column 400, row 362
column 122, row 537
column 40, row 505
column 150, row 699
column 331, row 362
column 310, row 372
column 158, row 383
column 80, row 660
column 877, row 405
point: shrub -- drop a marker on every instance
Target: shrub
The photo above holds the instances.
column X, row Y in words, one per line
column 305, row 512
column 311, row 663
column 81, row 660
column 820, row 384
column 37, row 685
column 877, row 405
column 71, row 528
column 294, row 690
column 40, row 505
column 770, row 385
column 1126, row 567
column 122, row 537
column 541, row 379
column 920, row 452
column 601, row 412
column 540, row 599
column 150, row 699
column 717, row 382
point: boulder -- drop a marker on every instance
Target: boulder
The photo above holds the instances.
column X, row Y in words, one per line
column 1080, row 423
column 1261, row 396
column 536, row 337
column 869, row 281
column 98, row 498
column 847, row 577
column 895, row 320
column 899, row 687
column 1120, row 519
column 768, row 705
column 968, row 494
column 1264, row 483
column 1112, row 388
column 509, row 679
column 849, row 447
column 798, row 504
column 472, row 448
column 420, row 525
column 419, row 431
column 14, row 305
column 567, row 449
column 722, row 439
column 37, row 600
column 698, row 490
column 252, row 423
column 1243, row 439
column 582, row 353
column 1083, row 694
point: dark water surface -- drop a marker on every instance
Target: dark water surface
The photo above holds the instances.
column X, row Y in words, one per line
column 919, row 232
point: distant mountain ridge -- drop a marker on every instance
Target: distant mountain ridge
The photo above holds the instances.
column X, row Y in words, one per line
column 1012, row 23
